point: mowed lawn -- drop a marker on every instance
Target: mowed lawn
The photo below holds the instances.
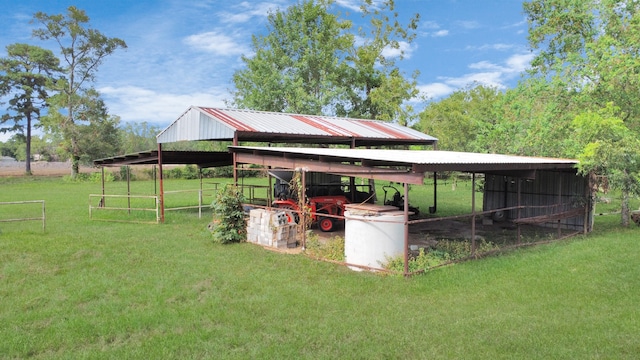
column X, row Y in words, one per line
column 94, row 289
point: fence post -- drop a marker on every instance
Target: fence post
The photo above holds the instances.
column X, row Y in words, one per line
column 44, row 217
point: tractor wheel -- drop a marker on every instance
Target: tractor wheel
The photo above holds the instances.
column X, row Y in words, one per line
column 326, row 224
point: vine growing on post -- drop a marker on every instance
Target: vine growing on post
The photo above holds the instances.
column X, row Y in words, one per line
column 229, row 225
column 295, row 186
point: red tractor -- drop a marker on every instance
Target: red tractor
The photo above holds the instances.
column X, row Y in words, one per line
column 329, row 204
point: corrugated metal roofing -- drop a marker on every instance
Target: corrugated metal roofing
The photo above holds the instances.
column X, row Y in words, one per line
column 429, row 159
column 204, row 123
column 201, row 158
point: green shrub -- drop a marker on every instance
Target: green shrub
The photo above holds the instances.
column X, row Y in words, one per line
column 229, row 225
column 190, row 172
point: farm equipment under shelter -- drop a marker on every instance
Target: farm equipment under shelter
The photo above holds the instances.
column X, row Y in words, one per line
column 326, row 195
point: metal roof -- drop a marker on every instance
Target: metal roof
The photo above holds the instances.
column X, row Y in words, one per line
column 203, row 159
column 415, row 162
column 204, row 123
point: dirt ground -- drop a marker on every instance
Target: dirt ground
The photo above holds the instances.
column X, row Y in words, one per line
column 39, row 168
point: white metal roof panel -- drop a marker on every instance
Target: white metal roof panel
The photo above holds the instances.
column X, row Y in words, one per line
column 221, row 124
column 421, row 157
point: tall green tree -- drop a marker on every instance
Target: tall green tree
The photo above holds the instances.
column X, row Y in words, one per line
column 83, row 50
column 460, row 120
column 296, row 65
column 609, row 148
column 311, row 61
column 95, row 131
column 375, row 86
column 533, row 119
column 594, row 47
column 24, row 75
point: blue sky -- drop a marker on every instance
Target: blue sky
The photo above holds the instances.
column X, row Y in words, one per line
column 184, row 52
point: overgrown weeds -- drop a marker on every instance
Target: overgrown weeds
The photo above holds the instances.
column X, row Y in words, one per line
column 330, row 249
column 444, row 251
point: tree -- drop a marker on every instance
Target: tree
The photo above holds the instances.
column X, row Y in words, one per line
column 135, row 137
column 533, row 119
column 609, row 149
column 25, row 73
column 95, row 131
column 295, row 67
column 83, row 50
column 594, row 47
column 375, row 86
column 460, row 120
column 310, row 62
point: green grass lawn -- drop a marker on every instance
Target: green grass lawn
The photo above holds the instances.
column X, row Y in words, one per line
column 94, row 289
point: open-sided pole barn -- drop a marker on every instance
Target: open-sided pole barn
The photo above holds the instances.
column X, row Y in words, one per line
column 238, row 127
column 546, row 179
column 521, row 188
column 242, row 126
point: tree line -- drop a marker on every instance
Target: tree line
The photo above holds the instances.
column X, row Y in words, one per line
column 577, row 100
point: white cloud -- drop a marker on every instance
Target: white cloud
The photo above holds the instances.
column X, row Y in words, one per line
column 433, row 29
column 488, row 74
column 350, row 4
column 355, row 4
column 469, row 25
column 493, row 78
column 440, row 33
column 519, row 62
column 245, row 11
column 217, row 43
column 403, row 47
column 136, row 104
column 431, row 25
column 435, row 90
column 497, row 46
column 485, row 65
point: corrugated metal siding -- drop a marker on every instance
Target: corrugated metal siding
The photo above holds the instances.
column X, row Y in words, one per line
column 213, row 123
column 194, row 125
column 549, row 188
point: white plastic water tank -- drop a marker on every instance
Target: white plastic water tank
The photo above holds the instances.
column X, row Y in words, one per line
column 370, row 239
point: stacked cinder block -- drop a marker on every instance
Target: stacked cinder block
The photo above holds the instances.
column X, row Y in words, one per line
column 271, row 228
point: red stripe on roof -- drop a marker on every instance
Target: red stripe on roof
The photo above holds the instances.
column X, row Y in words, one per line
column 345, row 131
column 386, row 130
column 316, row 125
column 236, row 124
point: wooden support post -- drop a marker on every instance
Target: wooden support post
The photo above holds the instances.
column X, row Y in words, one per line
column 303, row 208
column 406, row 229
column 435, row 193
column 161, row 194
column 200, row 194
column 473, row 214
column 235, row 162
column 102, row 200
column 560, row 207
column 129, row 189
column 519, row 213
column 352, row 179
